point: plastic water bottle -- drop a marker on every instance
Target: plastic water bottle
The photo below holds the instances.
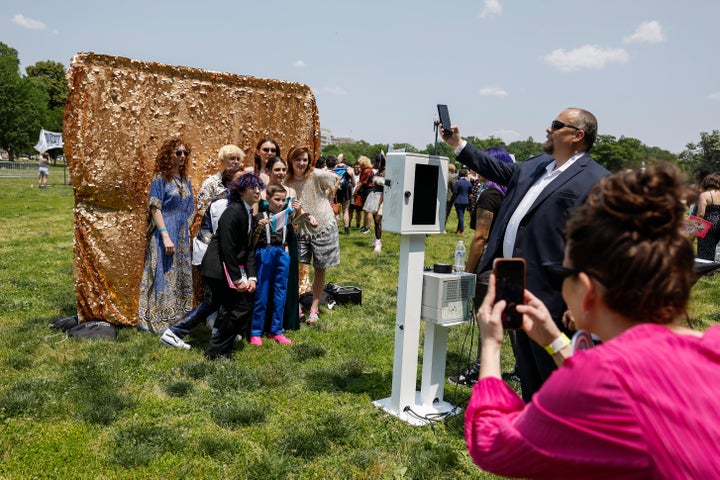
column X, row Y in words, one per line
column 717, row 252
column 459, row 265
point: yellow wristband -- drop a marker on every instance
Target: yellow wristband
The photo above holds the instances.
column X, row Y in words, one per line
column 558, row 344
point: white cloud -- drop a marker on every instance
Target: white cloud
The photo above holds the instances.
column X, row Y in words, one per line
column 299, row 64
column 492, row 92
column 507, row 135
column 714, row 96
column 646, row 32
column 491, row 9
column 27, row 22
column 585, row 57
column 335, row 90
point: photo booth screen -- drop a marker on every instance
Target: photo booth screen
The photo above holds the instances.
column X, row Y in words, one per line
column 426, row 193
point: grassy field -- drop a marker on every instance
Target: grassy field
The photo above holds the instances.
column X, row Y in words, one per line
column 132, row 408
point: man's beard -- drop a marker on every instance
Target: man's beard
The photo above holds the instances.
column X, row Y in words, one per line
column 548, row 146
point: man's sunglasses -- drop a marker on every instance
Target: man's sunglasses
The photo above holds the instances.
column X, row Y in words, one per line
column 180, row 153
column 557, row 125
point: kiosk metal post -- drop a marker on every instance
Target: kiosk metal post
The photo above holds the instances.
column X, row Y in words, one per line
column 414, row 206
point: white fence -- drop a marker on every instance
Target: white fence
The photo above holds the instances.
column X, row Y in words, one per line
column 21, row 169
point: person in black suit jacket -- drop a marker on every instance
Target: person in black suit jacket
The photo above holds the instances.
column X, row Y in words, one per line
column 541, row 193
column 228, row 266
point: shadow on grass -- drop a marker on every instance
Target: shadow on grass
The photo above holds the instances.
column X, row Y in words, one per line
column 27, row 396
column 349, row 377
column 138, row 444
column 313, row 437
column 237, row 412
column 94, row 393
column 302, row 352
column 272, row 467
column 430, row 459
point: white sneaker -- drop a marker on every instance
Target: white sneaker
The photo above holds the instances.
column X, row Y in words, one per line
column 378, row 247
column 374, row 242
column 171, row 340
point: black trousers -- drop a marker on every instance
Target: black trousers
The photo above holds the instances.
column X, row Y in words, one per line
column 233, row 318
column 534, row 365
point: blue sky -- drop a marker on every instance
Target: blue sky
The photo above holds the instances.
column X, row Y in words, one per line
column 647, row 68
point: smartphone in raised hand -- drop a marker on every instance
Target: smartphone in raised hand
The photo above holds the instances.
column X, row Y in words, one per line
column 510, row 286
column 444, row 118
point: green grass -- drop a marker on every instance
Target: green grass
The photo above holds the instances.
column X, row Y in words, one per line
column 131, row 408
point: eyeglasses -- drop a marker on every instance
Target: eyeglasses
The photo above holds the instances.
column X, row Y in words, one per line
column 557, row 273
column 269, row 150
column 180, row 153
column 232, row 158
column 557, row 125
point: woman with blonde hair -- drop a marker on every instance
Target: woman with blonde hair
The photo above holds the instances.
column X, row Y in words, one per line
column 230, row 156
column 364, row 188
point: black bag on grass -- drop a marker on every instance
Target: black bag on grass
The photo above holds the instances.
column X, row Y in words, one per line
column 344, row 295
column 65, row 323
column 325, row 299
column 93, row 329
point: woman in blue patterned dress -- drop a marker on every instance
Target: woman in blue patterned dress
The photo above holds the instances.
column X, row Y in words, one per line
column 166, row 291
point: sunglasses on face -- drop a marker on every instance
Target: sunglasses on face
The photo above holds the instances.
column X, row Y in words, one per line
column 180, row 153
column 557, row 125
column 269, row 150
column 557, row 273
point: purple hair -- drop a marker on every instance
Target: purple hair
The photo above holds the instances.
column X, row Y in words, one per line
column 501, row 155
column 245, row 182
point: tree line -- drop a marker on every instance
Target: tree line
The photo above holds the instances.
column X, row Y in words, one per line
column 37, row 100
column 29, row 102
column 613, row 153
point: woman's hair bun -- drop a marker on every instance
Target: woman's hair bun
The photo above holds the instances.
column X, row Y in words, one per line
column 647, row 202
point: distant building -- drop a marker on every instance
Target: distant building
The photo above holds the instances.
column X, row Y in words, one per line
column 325, row 137
column 341, row 140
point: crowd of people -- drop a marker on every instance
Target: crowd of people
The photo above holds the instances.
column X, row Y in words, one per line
column 261, row 227
column 605, row 254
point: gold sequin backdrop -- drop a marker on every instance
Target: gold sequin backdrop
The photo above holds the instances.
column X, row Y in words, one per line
column 118, row 113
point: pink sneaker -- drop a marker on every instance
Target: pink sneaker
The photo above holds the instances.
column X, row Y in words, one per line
column 280, row 338
column 257, row 341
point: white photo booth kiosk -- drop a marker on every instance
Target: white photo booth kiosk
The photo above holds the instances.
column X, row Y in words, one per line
column 414, row 206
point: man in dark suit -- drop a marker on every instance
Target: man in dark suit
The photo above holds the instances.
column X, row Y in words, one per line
column 228, row 266
column 542, row 191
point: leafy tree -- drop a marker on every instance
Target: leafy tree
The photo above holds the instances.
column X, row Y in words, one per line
column 484, row 144
column 50, row 77
column 524, row 149
column 617, row 155
column 443, row 149
column 705, row 153
column 405, row 146
column 23, row 105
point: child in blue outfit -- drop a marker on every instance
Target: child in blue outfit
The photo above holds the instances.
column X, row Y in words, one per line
column 273, row 264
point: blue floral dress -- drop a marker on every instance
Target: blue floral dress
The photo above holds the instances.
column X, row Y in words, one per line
column 166, row 290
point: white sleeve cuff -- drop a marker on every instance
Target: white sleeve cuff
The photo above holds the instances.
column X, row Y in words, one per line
column 459, row 149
